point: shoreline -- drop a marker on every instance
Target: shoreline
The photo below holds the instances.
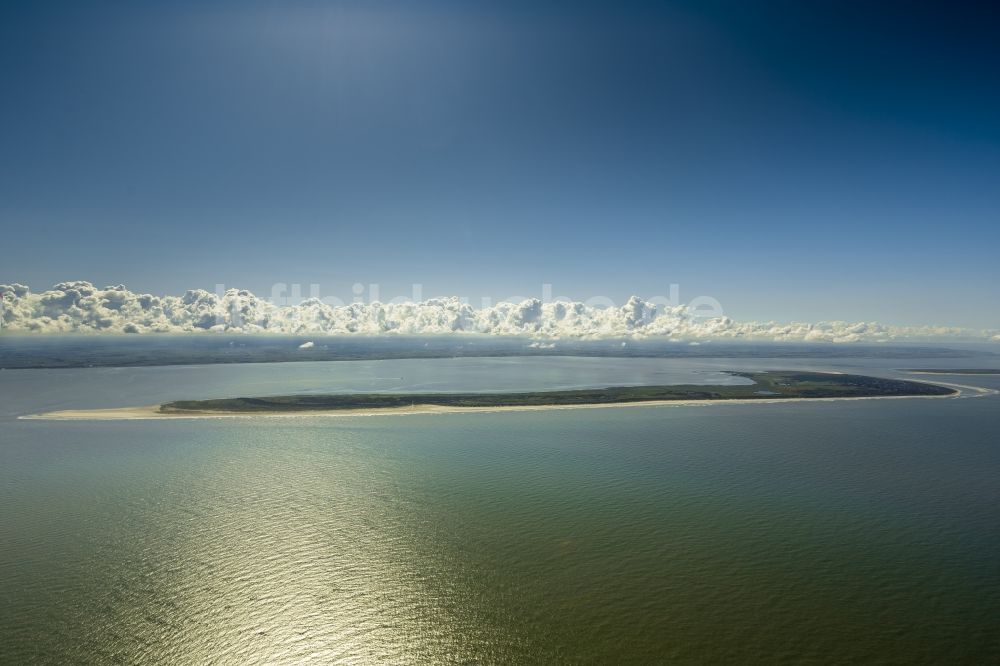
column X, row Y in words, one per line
column 963, row 373
column 152, row 413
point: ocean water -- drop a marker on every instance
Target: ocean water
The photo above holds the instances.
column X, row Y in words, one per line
column 835, row 532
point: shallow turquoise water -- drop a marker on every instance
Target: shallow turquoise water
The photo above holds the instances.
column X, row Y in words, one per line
column 797, row 533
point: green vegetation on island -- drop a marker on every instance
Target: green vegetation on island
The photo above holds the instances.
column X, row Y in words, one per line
column 766, row 386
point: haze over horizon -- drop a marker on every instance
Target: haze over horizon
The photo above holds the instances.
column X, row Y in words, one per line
column 795, row 161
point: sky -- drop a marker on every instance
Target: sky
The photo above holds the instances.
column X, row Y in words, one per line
column 794, row 160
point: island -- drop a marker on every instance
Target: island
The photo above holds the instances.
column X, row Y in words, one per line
column 774, row 386
column 767, row 385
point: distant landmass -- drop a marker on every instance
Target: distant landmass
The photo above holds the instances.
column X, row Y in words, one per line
column 23, row 352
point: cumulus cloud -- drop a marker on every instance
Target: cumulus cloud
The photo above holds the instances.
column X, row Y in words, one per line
column 80, row 307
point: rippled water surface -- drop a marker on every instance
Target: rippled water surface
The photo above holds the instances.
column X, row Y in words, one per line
column 797, row 533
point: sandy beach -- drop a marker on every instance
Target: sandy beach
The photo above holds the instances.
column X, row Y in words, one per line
column 152, row 412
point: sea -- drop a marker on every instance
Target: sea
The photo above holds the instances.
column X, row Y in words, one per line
column 839, row 532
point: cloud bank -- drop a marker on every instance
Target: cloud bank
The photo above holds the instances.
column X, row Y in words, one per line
column 80, row 307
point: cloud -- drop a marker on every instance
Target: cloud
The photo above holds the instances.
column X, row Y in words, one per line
column 80, row 307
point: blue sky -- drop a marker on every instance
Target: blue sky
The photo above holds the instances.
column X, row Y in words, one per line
column 793, row 160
